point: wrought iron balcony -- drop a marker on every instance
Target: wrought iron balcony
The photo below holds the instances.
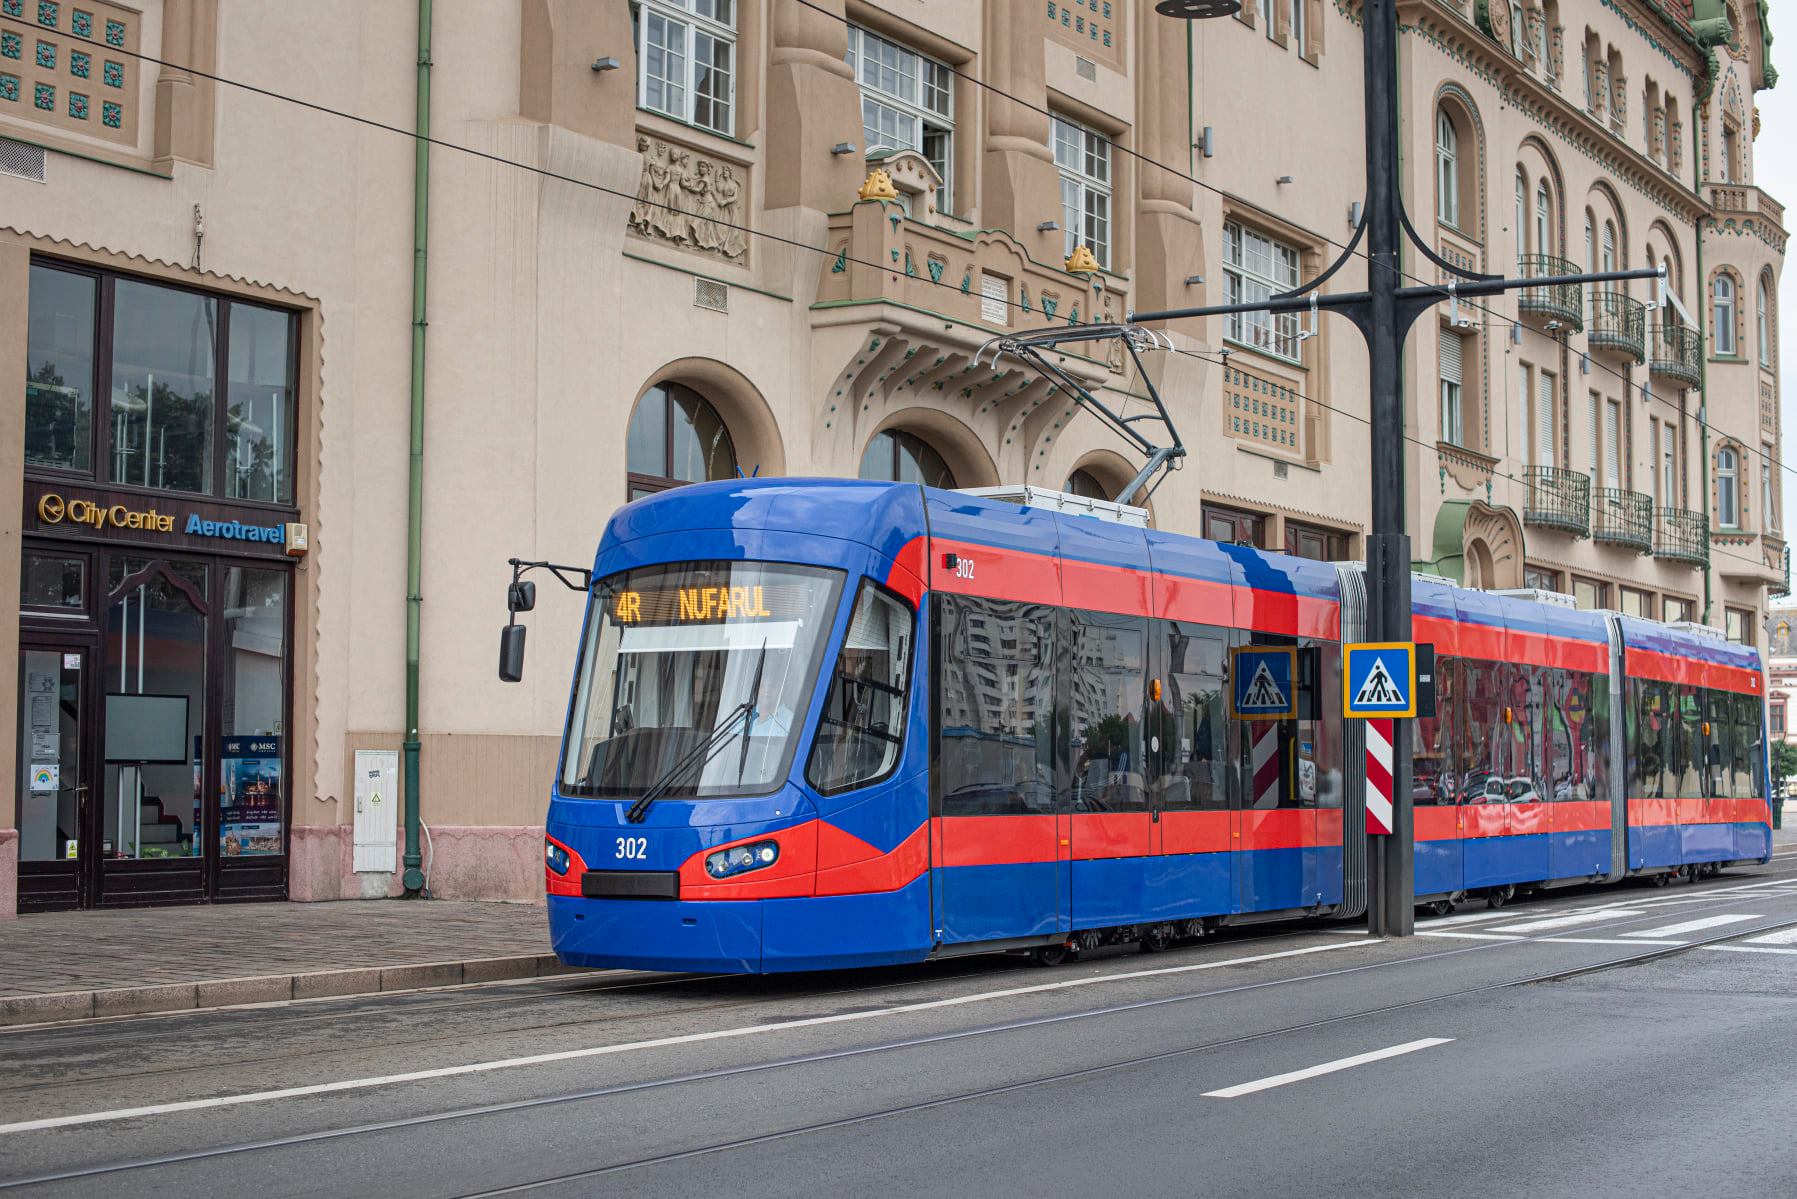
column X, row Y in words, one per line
column 1618, row 323
column 1560, row 304
column 1680, row 535
column 1558, row 499
column 1622, row 518
column 1677, row 354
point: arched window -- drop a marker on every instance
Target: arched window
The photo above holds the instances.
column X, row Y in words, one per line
column 1085, row 483
column 902, row 457
column 1543, row 223
column 1522, row 214
column 1590, row 243
column 1722, row 292
column 676, row 437
column 1728, row 493
column 1763, row 319
column 1609, row 258
column 1447, row 169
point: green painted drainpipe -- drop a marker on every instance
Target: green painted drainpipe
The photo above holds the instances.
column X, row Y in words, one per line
column 421, row 196
column 1701, row 136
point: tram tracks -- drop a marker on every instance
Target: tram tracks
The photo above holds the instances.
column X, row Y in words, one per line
column 1646, row 955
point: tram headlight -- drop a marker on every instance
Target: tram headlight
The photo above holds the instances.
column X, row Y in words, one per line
column 555, row 857
column 740, row 859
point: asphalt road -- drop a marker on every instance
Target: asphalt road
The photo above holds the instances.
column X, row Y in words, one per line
column 1600, row 1041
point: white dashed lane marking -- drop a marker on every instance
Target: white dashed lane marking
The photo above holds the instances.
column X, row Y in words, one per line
column 1692, row 926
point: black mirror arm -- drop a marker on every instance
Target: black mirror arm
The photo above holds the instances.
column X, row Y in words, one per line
column 574, row 578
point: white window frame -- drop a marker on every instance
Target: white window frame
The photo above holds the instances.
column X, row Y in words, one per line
column 1768, row 492
column 1269, row 16
column 1763, row 321
column 1544, row 227
column 1083, row 156
column 1722, row 309
column 1274, row 334
column 1298, row 24
column 1522, row 215
column 884, row 79
column 693, row 20
column 1453, row 388
column 1447, row 169
column 1728, row 488
column 1518, row 28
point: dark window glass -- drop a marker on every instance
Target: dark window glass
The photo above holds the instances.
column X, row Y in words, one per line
column 1232, row 526
column 1432, row 768
column 53, row 583
column 59, row 370
column 1106, row 687
column 901, row 457
column 1541, row 580
column 253, row 721
column 1319, row 781
column 1690, row 753
column 1647, row 739
column 863, row 723
column 1593, row 732
column 1309, row 541
column 1482, row 775
column 259, row 414
column 1085, row 483
column 676, row 437
column 1718, row 743
column 995, row 709
column 164, row 357
column 1750, row 749
column 1195, row 750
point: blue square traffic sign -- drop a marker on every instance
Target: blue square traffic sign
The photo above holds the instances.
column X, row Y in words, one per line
column 1263, row 682
column 1379, row 679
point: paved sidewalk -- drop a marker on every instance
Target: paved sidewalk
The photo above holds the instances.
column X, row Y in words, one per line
column 74, row 965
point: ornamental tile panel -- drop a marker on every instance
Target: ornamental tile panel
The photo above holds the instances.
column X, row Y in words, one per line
column 46, row 55
column 111, row 114
column 11, row 46
column 56, row 72
column 49, row 13
column 44, row 96
column 13, row 8
column 9, row 88
column 114, row 73
column 115, row 34
column 81, row 23
column 81, row 66
column 78, row 106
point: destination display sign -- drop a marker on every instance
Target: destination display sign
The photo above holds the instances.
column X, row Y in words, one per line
column 707, row 605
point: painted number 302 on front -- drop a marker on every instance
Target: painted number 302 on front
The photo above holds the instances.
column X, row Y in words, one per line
column 963, row 567
column 635, row 848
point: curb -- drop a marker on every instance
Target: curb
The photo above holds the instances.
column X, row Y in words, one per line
column 65, row 1006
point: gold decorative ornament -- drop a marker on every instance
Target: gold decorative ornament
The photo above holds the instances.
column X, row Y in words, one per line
column 878, row 186
column 1082, row 261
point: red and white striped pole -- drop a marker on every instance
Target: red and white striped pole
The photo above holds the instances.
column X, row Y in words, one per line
column 1378, row 775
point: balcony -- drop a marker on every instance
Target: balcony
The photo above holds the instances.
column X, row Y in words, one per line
column 1558, row 305
column 1680, row 535
column 1558, row 499
column 1742, row 199
column 1622, row 518
column 1677, row 354
column 1618, row 324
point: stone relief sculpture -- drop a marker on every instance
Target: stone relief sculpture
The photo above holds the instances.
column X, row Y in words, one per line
column 689, row 200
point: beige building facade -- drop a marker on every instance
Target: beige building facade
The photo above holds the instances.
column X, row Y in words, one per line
column 674, row 240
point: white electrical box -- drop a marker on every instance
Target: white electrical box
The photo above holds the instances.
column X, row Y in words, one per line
column 377, row 810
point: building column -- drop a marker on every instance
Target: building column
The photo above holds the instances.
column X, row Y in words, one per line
column 1169, row 241
column 1020, row 188
column 812, row 105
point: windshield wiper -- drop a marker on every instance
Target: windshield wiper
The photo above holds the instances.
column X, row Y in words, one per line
column 700, row 753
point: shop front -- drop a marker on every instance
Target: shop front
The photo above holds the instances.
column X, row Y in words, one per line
column 156, row 596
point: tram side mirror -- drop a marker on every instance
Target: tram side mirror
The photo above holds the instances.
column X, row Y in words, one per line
column 521, row 596
column 511, row 653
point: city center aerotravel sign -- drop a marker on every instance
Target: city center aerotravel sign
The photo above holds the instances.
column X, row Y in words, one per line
column 177, row 522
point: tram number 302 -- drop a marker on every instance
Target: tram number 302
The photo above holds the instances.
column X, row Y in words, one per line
column 636, row 848
column 962, row 566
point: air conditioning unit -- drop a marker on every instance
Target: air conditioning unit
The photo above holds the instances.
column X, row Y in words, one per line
column 1540, row 595
column 1062, row 501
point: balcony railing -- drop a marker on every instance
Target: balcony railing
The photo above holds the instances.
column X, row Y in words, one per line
column 1618, row 323
column 1681, row 536
column 1677, row 354
column 1559, row 304
column 1622, row 518
column 1558, row 499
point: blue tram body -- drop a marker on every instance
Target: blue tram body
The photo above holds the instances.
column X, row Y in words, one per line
column 830, row 723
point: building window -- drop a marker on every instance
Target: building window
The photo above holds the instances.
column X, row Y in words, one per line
column 1763, row 321
column 1730, row 151
column 157, row 359
column 686, row 52
column 1085, row 484
column 1447, row 169
column 1314, row 542
column 1778, row 718
column 1543, row 221
column 1518, row 28
column 1739, row 622
column 1084, row 159
column 1609, row 258
column 1256, row 267
column 1232, row 526
column 1637, row 603
column 1669, row 465
column 1722, row 292
column 1541, row 578
column 1590, row 244
column 1728, row 484
column 1612, row 455
column 676, row 437
column 1453, row 353
column 907, row 103
column 1590, row 593
column 1269, row 20
column 1545, row 420
column 1679, row 610
column 1522, row 215
column 900, row 457
column 1768, row 492
column 1298, row 23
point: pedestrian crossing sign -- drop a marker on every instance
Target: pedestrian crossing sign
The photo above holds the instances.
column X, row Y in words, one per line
column 1263, row 682
column 1379, row 679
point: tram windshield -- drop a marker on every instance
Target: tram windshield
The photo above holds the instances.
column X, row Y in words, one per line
column 687, row 654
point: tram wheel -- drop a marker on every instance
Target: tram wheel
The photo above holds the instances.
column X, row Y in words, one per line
column 1663, row 879
column 1048, row 955
column 1442, row 907
column 1497, row 897
column 1156, row 939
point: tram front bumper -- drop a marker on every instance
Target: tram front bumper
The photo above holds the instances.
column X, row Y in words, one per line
column 713, row 936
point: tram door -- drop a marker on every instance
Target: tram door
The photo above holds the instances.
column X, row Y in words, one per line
column 1001, row 852
column 1275, row 817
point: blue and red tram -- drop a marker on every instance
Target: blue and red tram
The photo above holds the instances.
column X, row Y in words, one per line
column 828, row 723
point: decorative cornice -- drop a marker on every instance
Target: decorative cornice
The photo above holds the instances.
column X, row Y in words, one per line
column 1647, row 35
column 1748, row 227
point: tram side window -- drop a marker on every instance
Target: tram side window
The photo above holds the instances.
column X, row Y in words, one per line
column 1107, row 683
column 1275, row 771
column 1690, row 753
column 1749, row 749
column 1561, row 762
column 1319, row 741
column 863, row 723
column 1486, row 736
column 995, row 707
column 1432, row 769
column 1531, row 769
column 1648, row 739
column 1585, row 709
column 1195, row 761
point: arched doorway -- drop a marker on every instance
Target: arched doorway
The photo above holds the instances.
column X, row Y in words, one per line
column 676, row 437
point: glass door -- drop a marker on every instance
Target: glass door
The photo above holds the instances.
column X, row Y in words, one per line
column 55, row 849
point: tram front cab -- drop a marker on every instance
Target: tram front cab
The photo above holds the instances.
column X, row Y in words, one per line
column 737, row 788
